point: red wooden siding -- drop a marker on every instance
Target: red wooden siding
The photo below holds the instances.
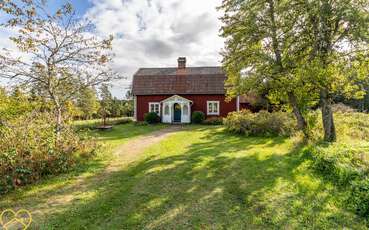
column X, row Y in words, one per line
column 199, row 103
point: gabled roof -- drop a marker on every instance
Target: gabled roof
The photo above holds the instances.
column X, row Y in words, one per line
column 191, row 80
column 173, row 71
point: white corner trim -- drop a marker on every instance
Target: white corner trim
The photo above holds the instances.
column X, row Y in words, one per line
column 207, row 107
column 135, row 108
column 238, row 103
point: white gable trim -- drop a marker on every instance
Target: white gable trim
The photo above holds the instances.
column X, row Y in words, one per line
column 176, row 98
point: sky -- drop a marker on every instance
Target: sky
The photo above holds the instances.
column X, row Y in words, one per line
column 152, row 33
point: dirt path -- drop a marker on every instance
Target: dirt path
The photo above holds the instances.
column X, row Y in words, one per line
column 129, row 152
column 57, row 198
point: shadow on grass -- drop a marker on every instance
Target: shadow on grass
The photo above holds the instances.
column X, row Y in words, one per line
column 210, row 186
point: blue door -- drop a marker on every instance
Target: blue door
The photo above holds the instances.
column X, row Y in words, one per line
column 177, row 113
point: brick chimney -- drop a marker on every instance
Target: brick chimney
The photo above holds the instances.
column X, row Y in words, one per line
column 181, row 62
column 181, row 70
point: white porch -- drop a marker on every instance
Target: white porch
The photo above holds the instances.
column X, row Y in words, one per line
column 176, row 109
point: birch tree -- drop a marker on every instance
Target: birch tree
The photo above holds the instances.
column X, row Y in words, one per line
column 59, row 53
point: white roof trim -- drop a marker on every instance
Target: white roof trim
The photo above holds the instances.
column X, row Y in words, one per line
column 176, row 98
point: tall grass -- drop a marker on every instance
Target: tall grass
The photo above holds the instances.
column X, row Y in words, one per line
column 345, row 162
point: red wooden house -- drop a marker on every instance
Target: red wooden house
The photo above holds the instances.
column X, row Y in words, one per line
column 175, row 93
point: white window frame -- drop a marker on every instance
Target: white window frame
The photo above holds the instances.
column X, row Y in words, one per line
column 154, row 103
column 207, row 107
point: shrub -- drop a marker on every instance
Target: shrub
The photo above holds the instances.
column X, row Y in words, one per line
column 213, row 121
column 29, row 150
column 260, row 124
column 359, row 197
column 152, row 118
column 348, row 167
column 352, row 125
column 341, row 163
column 340, row 107
column 348, row 125
column 198, row 117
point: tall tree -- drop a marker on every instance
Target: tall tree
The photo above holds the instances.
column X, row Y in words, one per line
column 106, row 102
column 261, row 51
column 301, row 50
column 88, row 102
column 336, row 35
column 60, row 56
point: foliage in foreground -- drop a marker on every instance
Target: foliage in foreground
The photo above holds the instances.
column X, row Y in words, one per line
column 346, row 163
column 197, row 117
column 30, row 150
column 260, row 124
column 213, row 121
column 346, row 166
column 152, row 118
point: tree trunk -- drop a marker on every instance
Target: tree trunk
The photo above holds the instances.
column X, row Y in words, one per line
column 327, row 117
column 58, row 123
column 301, row 122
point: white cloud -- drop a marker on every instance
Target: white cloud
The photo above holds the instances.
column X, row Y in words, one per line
column 6, row 43
column 153, row 33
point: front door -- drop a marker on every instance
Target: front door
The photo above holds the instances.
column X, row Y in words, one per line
column 177, row 113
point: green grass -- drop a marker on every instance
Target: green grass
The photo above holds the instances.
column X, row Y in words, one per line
column 90, row 124
column 30, row 197
column 204, row 178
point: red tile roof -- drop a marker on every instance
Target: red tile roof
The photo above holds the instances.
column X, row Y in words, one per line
column 191, row 80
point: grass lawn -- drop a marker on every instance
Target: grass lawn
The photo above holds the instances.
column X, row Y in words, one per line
column 200, row 178
column 33, row 196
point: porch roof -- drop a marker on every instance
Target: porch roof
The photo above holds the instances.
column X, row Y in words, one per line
column 176, row 98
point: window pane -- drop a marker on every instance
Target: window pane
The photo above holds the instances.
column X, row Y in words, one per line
column 215, row 106
column 185, row 110
column 210, row 107
column 154, row 107
column 166, row 110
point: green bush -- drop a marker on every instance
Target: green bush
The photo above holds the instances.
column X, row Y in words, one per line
column 30, row 150
column 260, row 124
column 213, row 121
column 348, row 126
column 341, row 163
column 152, row 118
column 198, row 117
column 348, row 167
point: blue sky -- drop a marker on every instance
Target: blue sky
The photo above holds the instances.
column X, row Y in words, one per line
column 152, row 33
column 81, row 6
